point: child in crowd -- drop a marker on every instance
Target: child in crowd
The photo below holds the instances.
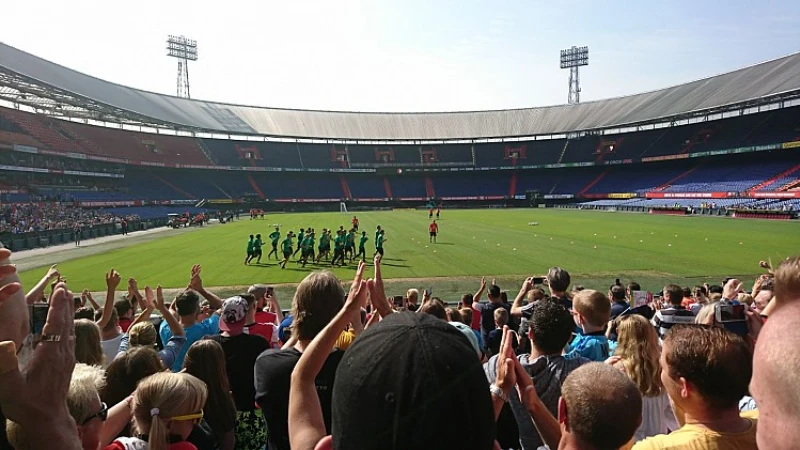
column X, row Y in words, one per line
column 496, row 336
column 591, row 312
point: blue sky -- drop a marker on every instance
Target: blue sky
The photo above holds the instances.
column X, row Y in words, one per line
column 412, row 55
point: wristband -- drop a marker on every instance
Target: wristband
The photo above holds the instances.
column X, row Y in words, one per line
column 497, row 392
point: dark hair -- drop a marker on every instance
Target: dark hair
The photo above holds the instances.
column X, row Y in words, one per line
column 84, row 312
column 467, row 299
column 251, row 236
column 687, row 292
column 188, row 303
column 698, row 289
column 435, row 308
column 617, row 293
column 453, row 315
column 113, row 322
column 205, row 359
column 558, row 279
column 77, row 302
column 717, row 362
column 317, row 300
column 715, row 289
column 674, row 294
column 494, row 291
column 551, row 326
column 125, row 372
column 634, row 286
column 123, row 306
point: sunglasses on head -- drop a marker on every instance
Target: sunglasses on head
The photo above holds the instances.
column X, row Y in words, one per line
column 102, row 414
column 196, row 418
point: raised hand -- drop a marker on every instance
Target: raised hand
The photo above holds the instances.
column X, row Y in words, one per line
column 764, row 265
column 483, row 283
column 160, row 304
column 377, row 294
column 506, row 375
column 149, row 298
column 112, row 280
column 195, row 282
column 731, row 289
column 53, row 272
column 357, row 297
column 527, row 285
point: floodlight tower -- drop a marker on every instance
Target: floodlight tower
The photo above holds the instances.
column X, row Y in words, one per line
column 571, row 59
column 184, row 50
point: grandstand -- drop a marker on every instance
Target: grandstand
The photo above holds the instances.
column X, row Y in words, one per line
column 733, row 138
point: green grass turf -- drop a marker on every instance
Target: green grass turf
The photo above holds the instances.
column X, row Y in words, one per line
column 498, row 243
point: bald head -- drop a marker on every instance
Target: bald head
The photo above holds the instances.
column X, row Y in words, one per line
column 603, row 418
column 776, row 375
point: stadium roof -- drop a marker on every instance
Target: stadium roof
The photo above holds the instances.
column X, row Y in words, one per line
column 62, row 91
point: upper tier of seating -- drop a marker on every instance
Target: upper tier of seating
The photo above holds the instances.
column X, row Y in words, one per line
column 36, row 130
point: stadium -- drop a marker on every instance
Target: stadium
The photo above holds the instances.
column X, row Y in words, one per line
column 632, row 226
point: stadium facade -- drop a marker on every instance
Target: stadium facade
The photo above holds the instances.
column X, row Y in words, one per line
column 733, row 139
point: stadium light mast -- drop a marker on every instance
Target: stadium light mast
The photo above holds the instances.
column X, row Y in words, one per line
column 184, row 50
column 573, row 58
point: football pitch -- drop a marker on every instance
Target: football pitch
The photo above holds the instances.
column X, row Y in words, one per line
column 595, row 247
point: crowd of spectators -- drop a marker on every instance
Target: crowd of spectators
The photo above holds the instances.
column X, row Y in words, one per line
column 45, row 216
column 349, row 369
column 57, row 163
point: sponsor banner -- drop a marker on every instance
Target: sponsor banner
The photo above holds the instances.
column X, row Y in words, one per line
column 795, row 144
column 24, row 169
column 412, row 199
column 151, row 164
column 24, row 148
column 689, row 194
column 115, row 203
column 6, row 146
column 795, row 194
column 371, row 199
column 10, row 191
column 617, row 161
column 89, row 174
column 623, row 195
column 475, row 197
column 665, row 157
column 556, row 196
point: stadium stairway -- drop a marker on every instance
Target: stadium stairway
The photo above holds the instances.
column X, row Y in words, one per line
column 255, row 187
column 174, row 188
column 791, row 186
column 345, row 188
column 563, row 151
column 592, row 183
column 431, row 192
column 512, row 185
column 387, row 186
column 670, row 182
column 224, row 192
column 777, row 177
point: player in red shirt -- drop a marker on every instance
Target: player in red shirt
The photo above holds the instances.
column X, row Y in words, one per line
column 355, row 223
column 434, row 229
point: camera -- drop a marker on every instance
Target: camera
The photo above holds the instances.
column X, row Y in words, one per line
column 398, row 300
column 38, row 316
column 731, row 317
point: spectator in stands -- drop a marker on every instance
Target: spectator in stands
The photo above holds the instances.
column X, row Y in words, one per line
column 706, row 371
column 434, row 307
column 126, row 371
column 87, row 343
column 630, row 289
column 551, row 328
column 591, row 312
column 688, row 298
column 558, row 281
column 195, row 324
column 496, row 335
column 241, row 351
column 267, row 327
column 125, row 312
column 143, row 333
column 453, row 315
column 166, row 407
column 267, row 310
column 486, row 310
column 619, row 300
column 205, row 360
column 110, row 334
column 467, row 317
column 776, row 364
column 637, row 354
column 412, row 299
column 673, row 313
column 700, row 295
column 316, row 301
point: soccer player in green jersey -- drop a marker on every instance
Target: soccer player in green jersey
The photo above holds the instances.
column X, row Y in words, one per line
column 274, row 237
column 250, row 245
column 377, row 233
column 379, row 243
column 324, row 245
column 288, row 248
column 257, row 244
column 301, row 236
column 350, row 244
column 338, row 248
column 308, row 248
column 362, row 252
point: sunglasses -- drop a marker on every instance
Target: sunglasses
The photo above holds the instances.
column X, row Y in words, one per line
column 102, row 414
column 195, row 418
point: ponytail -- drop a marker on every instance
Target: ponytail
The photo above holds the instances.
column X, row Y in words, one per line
column 158, row 436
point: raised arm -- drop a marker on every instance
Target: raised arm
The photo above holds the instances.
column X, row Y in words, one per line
column 134, row 296
column 112, row 281
column 174, row 326
column 87, row 296
column 306, row 423
column 196, row 283
column 13, row 307
column 477, row 297
column 516, row 308
column 377, row 293
column 272, row 299
column 37, row 292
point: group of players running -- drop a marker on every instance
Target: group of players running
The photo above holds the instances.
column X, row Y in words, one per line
column 344, row 245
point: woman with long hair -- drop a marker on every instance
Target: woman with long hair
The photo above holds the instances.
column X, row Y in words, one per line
column 165, row 408
column 87, row 343
column 205, row 360
column 637, row 354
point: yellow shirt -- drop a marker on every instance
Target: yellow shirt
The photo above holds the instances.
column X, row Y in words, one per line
column 345, row 340
column 693, row 437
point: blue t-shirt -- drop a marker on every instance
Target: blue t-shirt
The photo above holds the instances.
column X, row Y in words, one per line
column 193, row 334
column 591, row 346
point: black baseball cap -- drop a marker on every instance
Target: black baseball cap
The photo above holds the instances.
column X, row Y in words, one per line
column 401, row 378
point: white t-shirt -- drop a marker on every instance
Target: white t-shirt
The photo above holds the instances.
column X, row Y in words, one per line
column 110, row 349
column 657, row 417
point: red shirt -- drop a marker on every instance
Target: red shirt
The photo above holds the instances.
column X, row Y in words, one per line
column 125, row 324
column 266, row 317
column 434, row 227
column 476, row 320
column 265, row 330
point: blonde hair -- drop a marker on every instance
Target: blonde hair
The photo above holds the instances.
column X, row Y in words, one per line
column 84, row 387
column 787, row 280
column 704, row 313
column 501, row 316
column 594, row 306
column 142, row 334
column 746, row 299
column 87, row 343
column 637, row 344
column 412, row 293
column 161, row 397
